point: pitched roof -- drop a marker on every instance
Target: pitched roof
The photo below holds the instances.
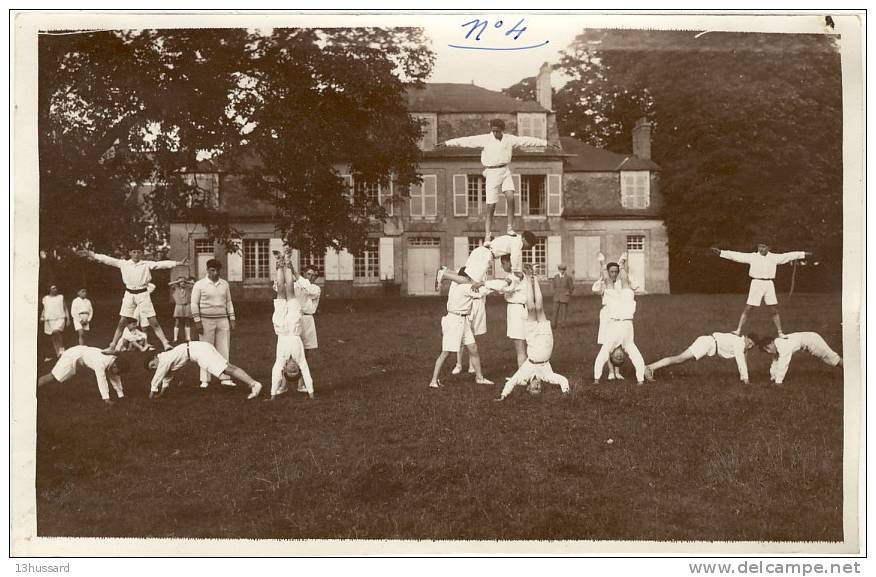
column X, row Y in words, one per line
column 448, row 97
column 587, row 158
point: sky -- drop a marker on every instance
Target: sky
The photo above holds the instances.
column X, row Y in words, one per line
column 498, row 69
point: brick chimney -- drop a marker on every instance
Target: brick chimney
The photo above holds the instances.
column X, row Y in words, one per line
column 642, row 139
column 543, row 86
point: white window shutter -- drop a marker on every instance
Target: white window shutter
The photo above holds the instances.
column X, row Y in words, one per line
column 554, row 254
column 235, row 263
column 348, row 187
column 524, row 125
column 539, row 126
column 518, row 204
column 460, row 251
column 384, row 197
column 554, row 195
column 416, row 200
column 430, row 195
column 586, row 264
column 501, row 206
column 345, row 265
column 460, row 195
column 332, row 265
column 385, row 258
column 594, row 246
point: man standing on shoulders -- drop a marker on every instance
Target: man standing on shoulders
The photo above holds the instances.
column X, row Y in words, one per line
column 213, row 313
column 563, row 289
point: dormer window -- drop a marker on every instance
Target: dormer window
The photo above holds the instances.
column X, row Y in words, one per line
column 430, row 130
column 532, row 124
column 635, row 188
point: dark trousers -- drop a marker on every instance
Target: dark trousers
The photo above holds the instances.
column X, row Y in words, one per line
column 559, row 313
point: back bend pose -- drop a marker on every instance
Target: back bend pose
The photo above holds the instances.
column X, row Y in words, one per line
column 136, row 274
column 621, row 309
column 762, row 270
column 725, row 345
column 207, row 358
column 478, row 262
column 782, row 349
column 107, row 369
column 290, row 365
column 539, row 346
column 496, row 155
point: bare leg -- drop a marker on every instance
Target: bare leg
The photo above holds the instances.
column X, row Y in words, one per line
column 81, row 336
column 156, row 328
column 475, row 361
column 123, row 322
column 520, row 347
column 176, row 323
column 742, row 319
column 668, row 361
column 509, row 199
column 188, row 328
column 241, row 375
column 439, row 362
column 458, row 367
column 776, row 319
column 488, row 226
column 58, row 343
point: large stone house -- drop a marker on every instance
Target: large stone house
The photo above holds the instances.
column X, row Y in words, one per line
column 576, row 198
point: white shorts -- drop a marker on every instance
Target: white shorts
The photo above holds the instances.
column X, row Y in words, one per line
column 54, row 326
column 212, row 362
column 478, row 317
column 499, row 180
column 478, row 262
column 761, row 290
column 455, row 331
column 704, row 346
column 131, row 301
column 308, row 332
column 516, row 321
column 82, row 323
column 65, row 368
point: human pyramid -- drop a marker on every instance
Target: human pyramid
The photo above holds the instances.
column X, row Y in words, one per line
column 297, row 297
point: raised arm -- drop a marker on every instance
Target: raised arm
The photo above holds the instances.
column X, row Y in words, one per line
column 478, row 141
column 101, row 258
column 743, row 257
column 786, row 257
column 529, row 141
column 165, row 264
column 307, row 287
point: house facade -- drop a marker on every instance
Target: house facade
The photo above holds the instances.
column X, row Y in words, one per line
column 577, row 200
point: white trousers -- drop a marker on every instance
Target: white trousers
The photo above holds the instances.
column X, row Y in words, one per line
column 620, row 335
column 217, row 332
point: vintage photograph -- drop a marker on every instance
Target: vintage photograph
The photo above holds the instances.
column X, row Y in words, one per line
column 498, row 277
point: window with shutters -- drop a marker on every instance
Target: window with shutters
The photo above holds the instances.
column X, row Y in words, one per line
column 256, row 259
column 537, row 256
column 532, row 124
column 533, row 200
column 423, row 201
column 635, row 188
column 429, row 125
column 476, row 194
column 366, row 264
column 473, row 243
column 317, row 261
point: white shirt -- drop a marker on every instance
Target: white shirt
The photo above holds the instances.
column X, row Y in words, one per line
column 459, row 298
column 730, row 346
column 81, row 306
column 94, row 359
column 539, row 341
column 495, row 152
column 135, row 275
column 806, row 341
column 510, row 245
column 307, row 294
column 287, row 317
column 178, row 357
column 289, row 347
column 513, row 291
column 53, row 308
column 762, row 266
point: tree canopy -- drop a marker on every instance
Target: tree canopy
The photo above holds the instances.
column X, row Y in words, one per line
column 119, row 108
column 747, row 131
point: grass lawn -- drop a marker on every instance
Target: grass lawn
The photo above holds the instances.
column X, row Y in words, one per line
column 695, row 456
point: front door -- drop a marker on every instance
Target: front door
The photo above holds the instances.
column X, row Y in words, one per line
column 423, row 261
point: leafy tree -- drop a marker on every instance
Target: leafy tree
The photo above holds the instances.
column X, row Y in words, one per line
column 130, row 106
column 748, row 132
